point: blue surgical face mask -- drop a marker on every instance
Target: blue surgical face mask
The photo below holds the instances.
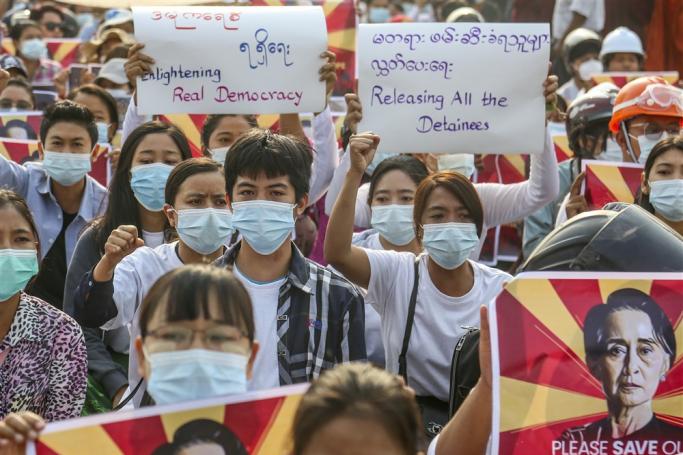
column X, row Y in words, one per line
column 394, row 223
column 17, row 267
column 459, row 162
column 378, row 15
column 612, row 152
column 450, row 244
column 102, row 133
column 148, row 183
column 666, row 196
column 646, row 145
column 66, row 168
column 193, row 374
column 204, row 230
column 34, row 49
column 219, row 154
column 265, row 225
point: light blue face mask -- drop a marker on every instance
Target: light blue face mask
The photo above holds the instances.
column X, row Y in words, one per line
column 66, row 168
column 193, row 374
column 17, row 267
column 612, row 152
column 34, row 49
column 265, row 225
column 378, row 15
column 394, row 223
column 204, row 230
column 102, row 133
column 450, row 244
column 219, row 154
column 666, row 196
column 148, row 183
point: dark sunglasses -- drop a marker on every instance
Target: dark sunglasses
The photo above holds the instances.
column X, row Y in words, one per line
column 52, row 26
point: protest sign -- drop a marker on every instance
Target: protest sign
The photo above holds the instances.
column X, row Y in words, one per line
column 572, row 351
column 18, row 150
column 64, row 51
column 558, row 134
column 20, row 125
column 610, row 182
column 341, row 18
column 257, row 423
column 454, row 88
column 622, row 78
column 231, row 60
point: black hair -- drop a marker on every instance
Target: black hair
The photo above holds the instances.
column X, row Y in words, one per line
column 202, row 431
column 68, row 112
column 583, row 48
column 275, row 155
column 18, row 28
column 211, row 123
column 359, row 391
column 621, row 300
column 411, row 166
column 22, row 82
column 122, row 207
column 104, row 96
column 666, row 144
column 185, row 294
column 37, row 14
column 184, row 171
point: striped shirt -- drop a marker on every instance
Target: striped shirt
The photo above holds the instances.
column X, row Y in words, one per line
column 320, row 319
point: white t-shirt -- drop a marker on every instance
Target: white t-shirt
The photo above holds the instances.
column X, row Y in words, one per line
column 438, row 318
column 264, row 297
column 592, row 10
column 153, row 239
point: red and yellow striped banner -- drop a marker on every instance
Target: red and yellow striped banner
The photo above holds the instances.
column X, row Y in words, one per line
column 546, row 387
column 620, row 79
column 562, row 150
column 19, row 151
column 611, row 182
column 22, row 126
column 256, row 426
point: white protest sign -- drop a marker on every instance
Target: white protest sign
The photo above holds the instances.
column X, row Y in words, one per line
column 231, row 60
column 461, row 87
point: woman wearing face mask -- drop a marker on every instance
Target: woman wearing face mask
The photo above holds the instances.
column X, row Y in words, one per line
column 220, row 131
column 391, row 195
column 661, row 191
column 152, row 150
column 42, row 353
column 196, row 206
column 503, row 204
column 196, row 341
column 27, row 37
column 445, row 287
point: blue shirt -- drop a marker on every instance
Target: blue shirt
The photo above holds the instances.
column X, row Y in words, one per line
column 33, row 184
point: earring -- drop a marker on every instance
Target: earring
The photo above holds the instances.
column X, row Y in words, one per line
column 663, row 378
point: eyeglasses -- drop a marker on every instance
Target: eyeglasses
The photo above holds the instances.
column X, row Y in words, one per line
column 21, row 105
column 220, row 338
column 52, row 26
column 655, row 131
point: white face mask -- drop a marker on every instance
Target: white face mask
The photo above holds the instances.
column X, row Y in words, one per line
column 458, row 162
column 118, row 92
column 612, row 152
column 193, row 374
column 589, row 68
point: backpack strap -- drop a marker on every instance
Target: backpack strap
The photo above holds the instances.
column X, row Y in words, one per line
column 402, row 366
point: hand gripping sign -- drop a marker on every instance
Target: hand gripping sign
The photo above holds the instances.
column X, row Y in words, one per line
column 231, row 60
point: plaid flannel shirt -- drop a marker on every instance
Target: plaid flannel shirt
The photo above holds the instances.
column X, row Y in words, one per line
column 320, row 319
